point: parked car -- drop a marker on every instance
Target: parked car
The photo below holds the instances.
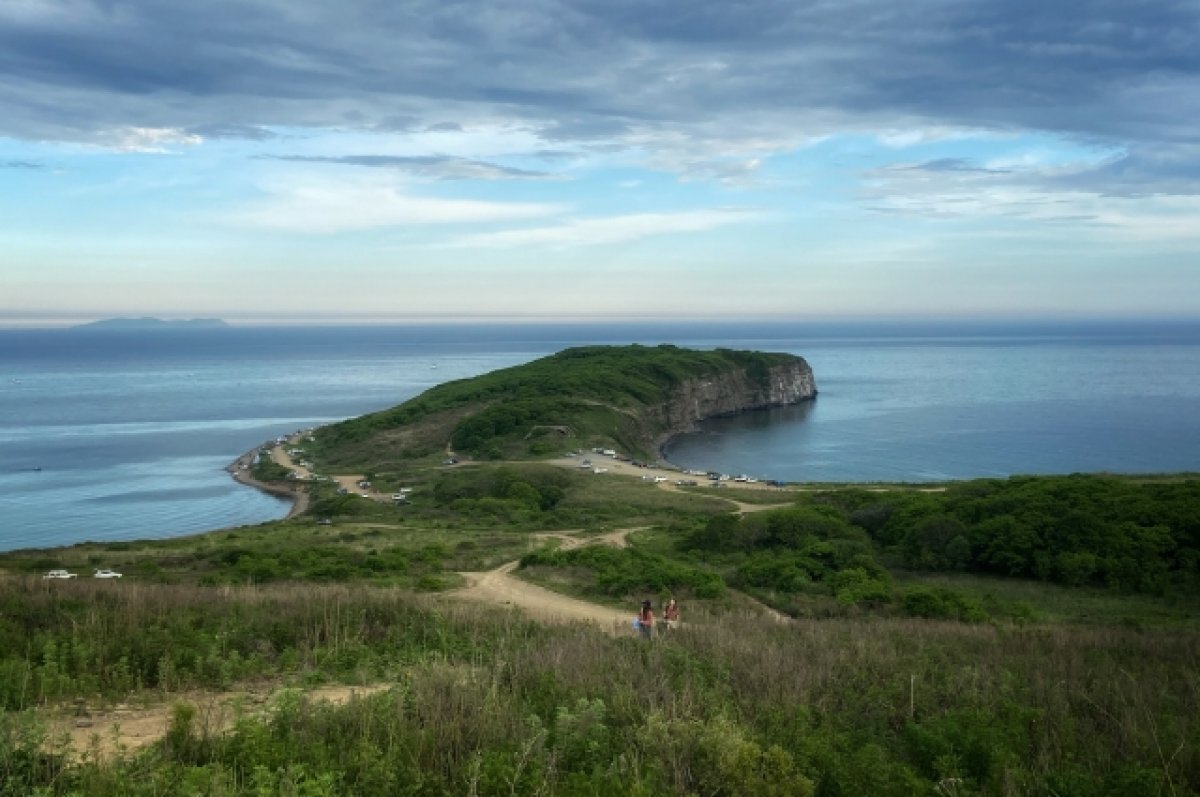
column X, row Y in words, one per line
column 106, row 574
column 59, row 574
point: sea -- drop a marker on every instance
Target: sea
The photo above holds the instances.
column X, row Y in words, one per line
column 121, row 434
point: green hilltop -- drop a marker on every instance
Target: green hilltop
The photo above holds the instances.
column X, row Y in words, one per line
column 591, row 395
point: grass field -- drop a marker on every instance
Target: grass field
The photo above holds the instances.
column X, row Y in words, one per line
column 1022, row 687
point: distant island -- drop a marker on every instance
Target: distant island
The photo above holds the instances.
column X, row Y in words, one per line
column 154, row 323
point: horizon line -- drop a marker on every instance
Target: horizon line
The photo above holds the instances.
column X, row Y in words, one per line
column 445, row 320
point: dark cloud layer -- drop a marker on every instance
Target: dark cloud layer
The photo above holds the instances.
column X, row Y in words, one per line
column 1110, row 71
column 949, row 165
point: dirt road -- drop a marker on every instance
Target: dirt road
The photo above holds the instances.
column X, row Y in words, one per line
column 124, row 729
column 127, row 729
column 501, row 587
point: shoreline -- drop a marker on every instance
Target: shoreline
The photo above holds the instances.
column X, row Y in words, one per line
column 239, row 469
column 663, row 440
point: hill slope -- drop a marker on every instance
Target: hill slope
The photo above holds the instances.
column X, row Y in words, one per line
column 630, row 397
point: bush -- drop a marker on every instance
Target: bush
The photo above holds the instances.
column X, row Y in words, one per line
column 623, row 572
column 942, row 604
column 855, row 586
column 1076, row 530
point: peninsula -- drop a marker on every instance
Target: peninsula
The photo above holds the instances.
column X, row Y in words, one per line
column 633, row 398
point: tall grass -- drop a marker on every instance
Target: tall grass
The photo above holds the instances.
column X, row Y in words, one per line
column 485, row 702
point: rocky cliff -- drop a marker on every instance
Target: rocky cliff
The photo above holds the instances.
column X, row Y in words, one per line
column 732, row 392
column 629, row 398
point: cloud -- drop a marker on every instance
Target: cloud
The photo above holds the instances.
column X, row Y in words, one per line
column 147, row 139
column 439, row 167
column 20, row 165
column 316, row 207
column 683, row 83
column 948, row 165
column 725, row 171
column 231, row 130
column 1168, row 169
column 609, row 229
column 961, row 188
column 1046, row 192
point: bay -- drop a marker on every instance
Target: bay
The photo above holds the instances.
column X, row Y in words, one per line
column 124, row 434
column 931, row 409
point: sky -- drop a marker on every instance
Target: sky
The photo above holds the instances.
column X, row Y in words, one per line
column 371, row 161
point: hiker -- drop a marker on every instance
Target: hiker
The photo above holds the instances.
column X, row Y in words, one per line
column 646, row 620
column 670, row 619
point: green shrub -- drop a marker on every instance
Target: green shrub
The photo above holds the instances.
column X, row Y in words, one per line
column 942, row 604
column 623, row 572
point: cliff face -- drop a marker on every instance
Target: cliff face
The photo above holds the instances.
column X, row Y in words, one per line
column 628, row 397
column 733, row 392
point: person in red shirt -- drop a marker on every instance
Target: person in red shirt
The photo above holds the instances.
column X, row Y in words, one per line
column 646, row 620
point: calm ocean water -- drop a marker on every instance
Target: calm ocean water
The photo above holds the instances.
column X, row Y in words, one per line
column 121, row 435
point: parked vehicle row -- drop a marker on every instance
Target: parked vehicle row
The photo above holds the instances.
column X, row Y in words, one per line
column 105, row 573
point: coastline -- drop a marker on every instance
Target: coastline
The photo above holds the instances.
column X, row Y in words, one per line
column 660, row 448
column 239, row 469
column 666, row 438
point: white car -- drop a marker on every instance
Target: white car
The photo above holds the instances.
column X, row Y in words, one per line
column 106, row 574
column 59, row 574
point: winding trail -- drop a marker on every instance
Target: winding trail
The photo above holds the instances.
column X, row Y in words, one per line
column 125, row 729
column 500, row 586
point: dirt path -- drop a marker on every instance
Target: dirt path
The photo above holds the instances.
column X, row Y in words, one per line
column 127, row 729
column 281, row 457
column 501, row 587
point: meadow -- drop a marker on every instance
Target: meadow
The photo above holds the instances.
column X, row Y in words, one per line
column 884, row 674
